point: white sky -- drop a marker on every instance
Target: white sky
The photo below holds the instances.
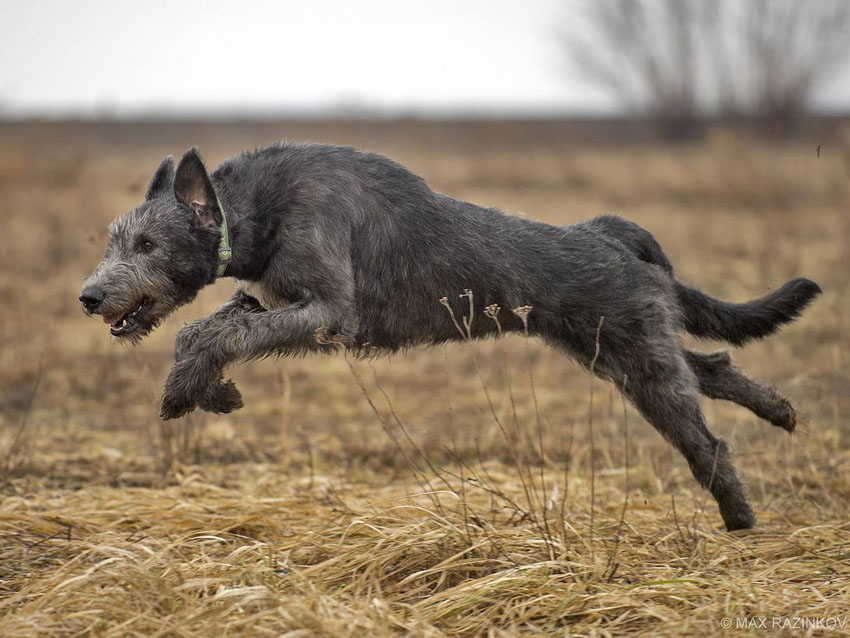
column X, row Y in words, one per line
column 87, row 57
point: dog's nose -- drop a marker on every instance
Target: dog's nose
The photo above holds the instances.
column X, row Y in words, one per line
column 91, row 298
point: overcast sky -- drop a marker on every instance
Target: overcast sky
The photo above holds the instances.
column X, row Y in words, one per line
column 86, row 57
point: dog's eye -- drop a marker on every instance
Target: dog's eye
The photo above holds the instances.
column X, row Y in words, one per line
column 146, row 246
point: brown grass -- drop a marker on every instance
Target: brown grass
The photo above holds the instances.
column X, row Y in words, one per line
column 485, row 489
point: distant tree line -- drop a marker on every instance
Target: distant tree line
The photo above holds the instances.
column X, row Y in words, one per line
column 681, row 61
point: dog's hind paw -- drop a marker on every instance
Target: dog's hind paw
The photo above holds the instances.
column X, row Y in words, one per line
column 221, row 398
column 784, row 415
column 739, row 517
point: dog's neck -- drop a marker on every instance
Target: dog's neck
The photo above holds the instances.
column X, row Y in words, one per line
column 228, row 229
column 246, row 237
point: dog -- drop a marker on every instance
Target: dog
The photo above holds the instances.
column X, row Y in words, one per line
column 333, row 247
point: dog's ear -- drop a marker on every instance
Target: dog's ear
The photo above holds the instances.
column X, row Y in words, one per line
column 161, row 180
column 193, row 189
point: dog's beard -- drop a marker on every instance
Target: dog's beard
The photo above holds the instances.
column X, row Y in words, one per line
column 133, row 328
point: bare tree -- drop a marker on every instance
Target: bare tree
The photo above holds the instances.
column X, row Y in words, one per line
column 682, row 60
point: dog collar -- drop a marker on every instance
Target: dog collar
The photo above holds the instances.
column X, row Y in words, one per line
column 225, row 252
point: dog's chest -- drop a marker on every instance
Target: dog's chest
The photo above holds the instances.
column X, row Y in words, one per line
column 267, row 297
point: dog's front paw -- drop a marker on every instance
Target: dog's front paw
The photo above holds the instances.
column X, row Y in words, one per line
column 183, row 389
column 190, row 381
column 221, row 398
column 175, row 405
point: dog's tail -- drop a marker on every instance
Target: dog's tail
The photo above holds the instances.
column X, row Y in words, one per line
column 703, row 315
column 738, row 323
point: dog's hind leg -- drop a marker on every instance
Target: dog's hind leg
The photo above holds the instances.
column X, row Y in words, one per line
column 719, row 378
column 665, row 391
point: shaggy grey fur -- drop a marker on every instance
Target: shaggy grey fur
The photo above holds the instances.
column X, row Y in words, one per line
column 333, row 247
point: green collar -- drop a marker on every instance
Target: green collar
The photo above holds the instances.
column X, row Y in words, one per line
column 225, row 252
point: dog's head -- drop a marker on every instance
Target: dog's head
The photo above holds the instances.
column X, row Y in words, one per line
column 159, row 254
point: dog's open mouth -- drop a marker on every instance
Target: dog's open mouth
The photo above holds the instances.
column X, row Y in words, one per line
column 128, row 322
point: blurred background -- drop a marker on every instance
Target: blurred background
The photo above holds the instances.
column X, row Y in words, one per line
column 775, row 59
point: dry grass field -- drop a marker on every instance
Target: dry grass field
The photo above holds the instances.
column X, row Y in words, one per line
column 486, row 489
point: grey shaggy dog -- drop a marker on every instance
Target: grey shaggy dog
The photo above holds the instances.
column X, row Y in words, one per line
column 333, row 247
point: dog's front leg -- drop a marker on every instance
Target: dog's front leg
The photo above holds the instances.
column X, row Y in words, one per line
column 190, row 381
column 220, row 396
column 240, row 337
column 188, row 335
